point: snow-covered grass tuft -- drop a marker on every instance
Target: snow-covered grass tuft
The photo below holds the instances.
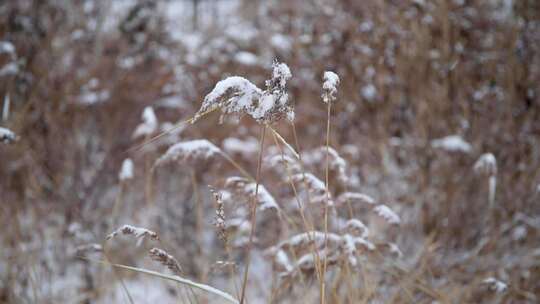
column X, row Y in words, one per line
column 452, row 143
column 126, row 172
column 496, row 285
column 7, row 136
column 189, row 152
column 387, row 214
column 330, row 83
column 149, row 125
column 238, row 96
column 486, row 165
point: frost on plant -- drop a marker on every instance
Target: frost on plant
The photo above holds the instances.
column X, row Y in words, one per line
column 336, row 163
column 354, row 197
column 233, row 95
column 126, row 172
column 496, row 285
column 387, row 214
column 165, row 259
column 452, row 143
column 7, row 136
column 149, row 125
column 238, row 96
column 139, row 233
column 243, row 186
column 330, row 83
column 486, row 165
column 355, row 225
column 192, row 151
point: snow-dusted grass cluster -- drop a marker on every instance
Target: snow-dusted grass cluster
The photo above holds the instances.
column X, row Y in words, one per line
column 238, row 96
column 7, row 136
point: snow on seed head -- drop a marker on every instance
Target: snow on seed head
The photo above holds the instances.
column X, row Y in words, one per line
column 149, row 125
column 139, row 233
column 452, row 143
column 355, row 225
column 486, row 165
column 165, row 259
column 7, row 136
column 388, row 214
column 192, row 151
column 330, row 83
column 274, row 104
column 355, row 197
column 233, row 95
column 244, row 186
column 238, row 96
column 496, row 285
column 126, row 173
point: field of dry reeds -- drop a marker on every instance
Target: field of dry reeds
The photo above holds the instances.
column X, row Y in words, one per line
column 248, row 151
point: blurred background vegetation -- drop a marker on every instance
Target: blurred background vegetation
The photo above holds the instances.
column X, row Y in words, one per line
column 81, row 72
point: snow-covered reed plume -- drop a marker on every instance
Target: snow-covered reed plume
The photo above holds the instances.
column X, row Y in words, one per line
column 452, row 143
column 244, row 186
column 88, row 248
column 6, row 47
column 336, row 163
column 7, row 136
column 126, row 172
column 165, row 259
column 275, row 161
column 387, row 214
column 308, row 245
column 354, row 198
column 192, row 152
column 496, row 285
column 238, row 96
column 487, row 165
column 357, row 226
column 149, row 125
column 314, row 184
column 331, row 81
column 246, row 148
column 137, row 232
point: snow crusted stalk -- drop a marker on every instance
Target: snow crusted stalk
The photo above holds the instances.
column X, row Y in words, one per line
column 253, row 214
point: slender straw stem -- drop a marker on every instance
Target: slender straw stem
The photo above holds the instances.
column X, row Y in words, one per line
column 253, row 214
column 307, row 226
column 327, row 202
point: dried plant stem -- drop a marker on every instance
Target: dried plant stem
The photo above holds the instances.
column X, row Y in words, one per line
column 107, row 259
column 237, row 166
column 253, row 214
column 307, row 226
column 327, row 169
column 297, row 143
column 285, row 143
column 232, row 271
column 198, row 225
column 174, row 278
column 118, row 203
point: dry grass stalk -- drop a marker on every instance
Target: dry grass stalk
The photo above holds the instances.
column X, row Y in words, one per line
column 165, row 259
column 219, row 219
